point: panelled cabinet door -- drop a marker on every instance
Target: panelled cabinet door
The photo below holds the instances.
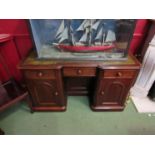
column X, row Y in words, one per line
column 112, row 91
column 45, row 92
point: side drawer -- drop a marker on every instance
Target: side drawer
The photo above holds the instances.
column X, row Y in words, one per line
column 118, row 73
column 79, row 71
column 40, row 74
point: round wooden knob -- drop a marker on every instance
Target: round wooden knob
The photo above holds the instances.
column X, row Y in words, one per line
column 56, row 93
column 119, row 74
column 79, row 71
column 102, row 92
column 40, row 74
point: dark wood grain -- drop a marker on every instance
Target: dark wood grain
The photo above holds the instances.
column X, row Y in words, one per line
column 46, row 90
column 79, row 71
column 118, row 73
column 106, row 83
column 40, row 74
column 112, row 89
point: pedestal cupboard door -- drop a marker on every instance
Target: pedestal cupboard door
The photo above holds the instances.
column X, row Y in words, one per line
column 112, row 92
column 45, row 92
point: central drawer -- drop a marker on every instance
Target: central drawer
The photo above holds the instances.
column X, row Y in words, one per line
column 79, row 71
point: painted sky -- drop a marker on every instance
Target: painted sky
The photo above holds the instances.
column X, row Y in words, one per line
column 47, row 28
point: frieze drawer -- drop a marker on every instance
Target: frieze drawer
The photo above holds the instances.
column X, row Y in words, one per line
column 79, row 71
column 40, row 74
column 118, row 73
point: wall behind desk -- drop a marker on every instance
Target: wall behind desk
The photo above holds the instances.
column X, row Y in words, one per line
column 22, row 42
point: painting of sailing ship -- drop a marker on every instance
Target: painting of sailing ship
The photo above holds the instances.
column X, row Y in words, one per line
column 82, row 39
column 94, row 36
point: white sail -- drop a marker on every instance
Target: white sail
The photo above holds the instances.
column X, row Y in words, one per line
column 81, row 27
column 64, row 35
column 84, row 37
column 88, row 23
column 96, row 24
column 86, row 26
column 100, row 37
column 60, row 30
column 99, row 34
column 110, row 36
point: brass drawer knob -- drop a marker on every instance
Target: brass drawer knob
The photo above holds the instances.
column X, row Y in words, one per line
column 119, row 74
column 56, row 93
column 102, row 92
column 40, row 74
column 79, row 71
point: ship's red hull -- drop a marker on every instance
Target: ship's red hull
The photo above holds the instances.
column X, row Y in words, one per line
column 79, row 48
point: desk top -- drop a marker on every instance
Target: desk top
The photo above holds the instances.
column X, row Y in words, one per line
column 31, row 62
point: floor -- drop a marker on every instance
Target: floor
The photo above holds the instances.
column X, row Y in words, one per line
column 77, row 120
column 144, row 105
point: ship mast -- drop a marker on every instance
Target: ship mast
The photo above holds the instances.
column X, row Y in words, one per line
column 89, row 33
column 100, row 36
column 71, row 35
column 87, row 26
column 65, row 32
column 105, row 36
